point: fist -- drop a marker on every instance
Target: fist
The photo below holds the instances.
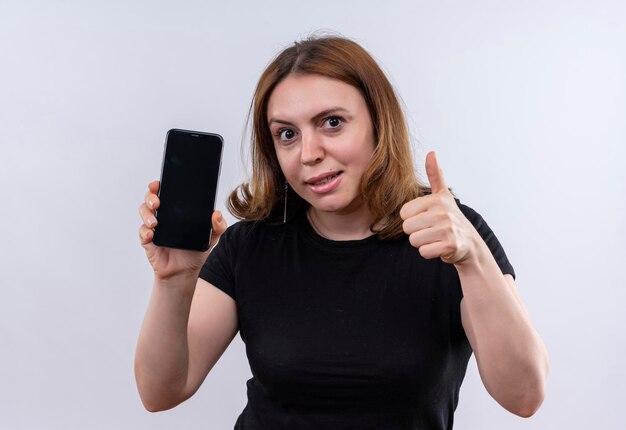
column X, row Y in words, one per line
column 435, row 224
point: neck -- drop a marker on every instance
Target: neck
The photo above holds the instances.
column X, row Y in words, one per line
column 351, row 226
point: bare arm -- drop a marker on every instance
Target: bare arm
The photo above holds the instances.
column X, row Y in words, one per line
column 512, row 359
column 511, row 356
column 188, row 324
column 181, row 340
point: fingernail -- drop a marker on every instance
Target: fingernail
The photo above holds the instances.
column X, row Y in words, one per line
column 150, row 203
column 151, row 221
column 219, row 218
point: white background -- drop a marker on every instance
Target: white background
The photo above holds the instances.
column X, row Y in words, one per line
column 523, row 101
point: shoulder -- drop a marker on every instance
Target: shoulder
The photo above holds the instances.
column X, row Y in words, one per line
column 246, row 229
column 488, row 236
column 473, row 216
column 240, row 228
column 469, row 212
column 233, row 247
column 246, row 233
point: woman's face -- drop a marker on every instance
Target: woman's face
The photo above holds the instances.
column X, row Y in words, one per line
column 324, row 139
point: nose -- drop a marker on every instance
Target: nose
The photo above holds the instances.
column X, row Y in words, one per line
column 312, row 151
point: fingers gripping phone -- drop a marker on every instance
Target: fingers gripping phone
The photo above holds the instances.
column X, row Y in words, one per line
column 189, row 176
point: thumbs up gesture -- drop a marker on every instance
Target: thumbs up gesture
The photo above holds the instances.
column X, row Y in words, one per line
column 435, row 224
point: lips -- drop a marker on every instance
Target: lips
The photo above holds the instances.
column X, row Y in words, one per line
column 324, row 183
column 322, row 179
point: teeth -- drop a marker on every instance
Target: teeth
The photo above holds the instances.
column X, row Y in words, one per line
column 325, row 180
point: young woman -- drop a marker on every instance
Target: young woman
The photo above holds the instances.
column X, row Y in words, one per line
column 360, row 294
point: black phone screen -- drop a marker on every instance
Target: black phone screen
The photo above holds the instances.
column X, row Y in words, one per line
column 191, row 166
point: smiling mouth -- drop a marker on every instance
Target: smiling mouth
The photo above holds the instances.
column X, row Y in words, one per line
column 323, row 184
column 325, row 180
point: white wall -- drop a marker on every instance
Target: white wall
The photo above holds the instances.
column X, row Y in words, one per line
column 524, row 102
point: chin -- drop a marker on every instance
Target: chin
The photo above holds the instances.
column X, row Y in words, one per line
column 335, row 206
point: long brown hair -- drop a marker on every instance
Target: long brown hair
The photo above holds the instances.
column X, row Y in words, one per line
column 389, row 180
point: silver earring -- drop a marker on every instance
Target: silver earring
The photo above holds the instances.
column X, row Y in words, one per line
column 285, row 210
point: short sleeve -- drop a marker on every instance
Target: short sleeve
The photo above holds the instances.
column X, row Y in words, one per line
column 218, row 268
column 489, row 237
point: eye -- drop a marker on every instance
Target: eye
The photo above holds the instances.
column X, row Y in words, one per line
column 333, row 122
column 285, row 134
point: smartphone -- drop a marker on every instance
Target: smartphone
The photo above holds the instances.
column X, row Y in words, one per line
column 189, row 176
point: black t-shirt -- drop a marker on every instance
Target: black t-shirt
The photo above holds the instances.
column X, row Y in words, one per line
column 362, row 334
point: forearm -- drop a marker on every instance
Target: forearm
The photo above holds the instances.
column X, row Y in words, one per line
column 510, row 354
column 162, row 356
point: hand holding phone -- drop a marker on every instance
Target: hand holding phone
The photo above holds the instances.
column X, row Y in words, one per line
column 170, row 262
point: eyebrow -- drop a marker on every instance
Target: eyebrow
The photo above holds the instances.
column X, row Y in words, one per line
column 317, row 117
